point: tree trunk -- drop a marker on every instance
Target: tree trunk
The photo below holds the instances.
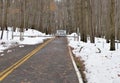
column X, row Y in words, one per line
column 90, row 23
column 84, row 21
column 112, row 23
column 22, row 19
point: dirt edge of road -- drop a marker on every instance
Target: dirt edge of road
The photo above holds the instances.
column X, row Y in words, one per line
column 80, row 65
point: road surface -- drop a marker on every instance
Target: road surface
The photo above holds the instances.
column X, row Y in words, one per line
column 49, row 64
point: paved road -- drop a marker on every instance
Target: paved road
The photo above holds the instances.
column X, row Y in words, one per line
column 52, row 64
column 12, row 55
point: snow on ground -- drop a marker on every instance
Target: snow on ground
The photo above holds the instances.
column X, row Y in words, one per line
column 102, row 65
column 31, row 37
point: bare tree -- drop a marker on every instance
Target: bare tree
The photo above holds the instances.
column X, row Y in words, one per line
column 112, row 27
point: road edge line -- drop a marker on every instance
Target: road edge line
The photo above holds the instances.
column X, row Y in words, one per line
column 75, row 66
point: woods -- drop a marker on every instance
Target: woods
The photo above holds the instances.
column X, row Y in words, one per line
column 93, row 18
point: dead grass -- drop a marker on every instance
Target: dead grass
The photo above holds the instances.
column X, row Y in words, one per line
column 81, row 66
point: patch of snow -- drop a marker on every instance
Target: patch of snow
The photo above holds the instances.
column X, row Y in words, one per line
column 2, row 55
column 1, row 51
column 21, row 46
column 102, row 65
column 31, row 41
column 31, row 37
column 9, row 51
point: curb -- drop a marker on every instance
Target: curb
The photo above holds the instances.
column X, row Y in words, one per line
column 75, row 66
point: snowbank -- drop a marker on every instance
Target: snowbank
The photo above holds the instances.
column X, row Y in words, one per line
column 102, row 65
column 31, row 37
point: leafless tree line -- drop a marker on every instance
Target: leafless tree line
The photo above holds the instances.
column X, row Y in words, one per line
column 93, row 18
column 98, row 18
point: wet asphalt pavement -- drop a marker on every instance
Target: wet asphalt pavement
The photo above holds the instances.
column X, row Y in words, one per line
column 52, row 64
